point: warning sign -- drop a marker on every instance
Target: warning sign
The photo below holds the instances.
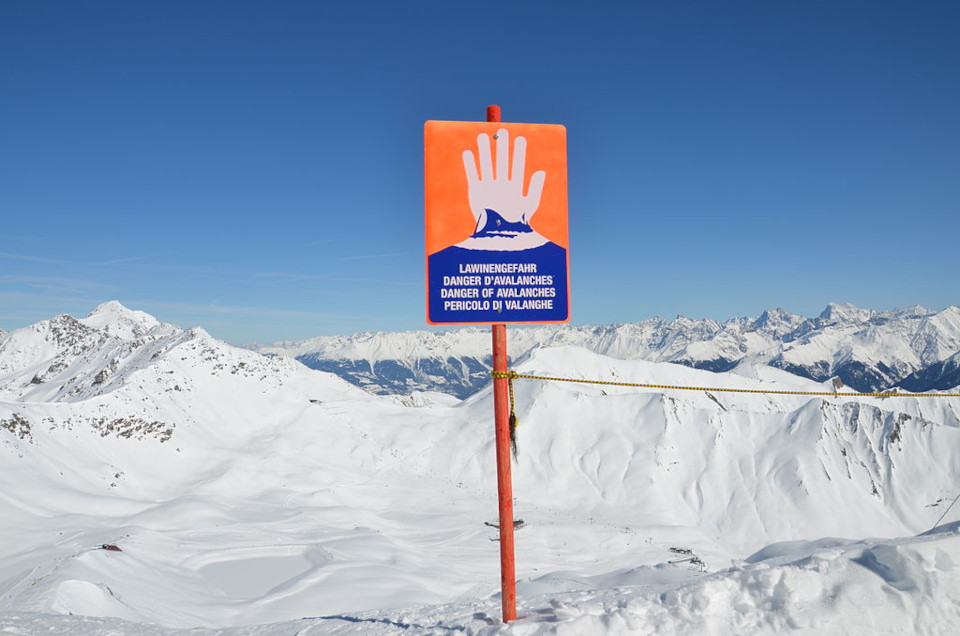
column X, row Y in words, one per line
column 496, row 223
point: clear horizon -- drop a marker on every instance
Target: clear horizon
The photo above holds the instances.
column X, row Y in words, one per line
column 256, row 169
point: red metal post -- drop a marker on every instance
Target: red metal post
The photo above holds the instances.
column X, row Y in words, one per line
column 501, row 414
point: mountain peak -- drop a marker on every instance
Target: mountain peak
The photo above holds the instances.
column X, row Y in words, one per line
column 113, row 307
column 846, row 312
column 771, row 317
column 117, row 320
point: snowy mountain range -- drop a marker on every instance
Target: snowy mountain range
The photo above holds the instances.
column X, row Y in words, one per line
column 158, row 479
column 869, row 351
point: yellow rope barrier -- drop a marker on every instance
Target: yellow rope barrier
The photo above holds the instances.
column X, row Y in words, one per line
column 512, row 375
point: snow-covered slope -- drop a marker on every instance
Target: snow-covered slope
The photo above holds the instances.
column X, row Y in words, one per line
column 868, row 350
column 825, row 587
column 243, row 490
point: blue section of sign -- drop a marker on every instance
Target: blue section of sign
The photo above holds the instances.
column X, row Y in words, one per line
column 487, row 286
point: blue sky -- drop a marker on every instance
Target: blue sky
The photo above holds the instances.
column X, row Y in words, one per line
column 255, row 168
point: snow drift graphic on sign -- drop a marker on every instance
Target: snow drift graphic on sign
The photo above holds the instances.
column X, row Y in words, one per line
column 487, row 262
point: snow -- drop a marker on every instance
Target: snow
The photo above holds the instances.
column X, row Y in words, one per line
column 250, row 495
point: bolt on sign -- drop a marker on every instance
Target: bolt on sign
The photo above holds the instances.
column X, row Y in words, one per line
column 496, row 223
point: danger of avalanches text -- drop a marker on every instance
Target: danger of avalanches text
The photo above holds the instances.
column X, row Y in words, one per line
column 497, row 286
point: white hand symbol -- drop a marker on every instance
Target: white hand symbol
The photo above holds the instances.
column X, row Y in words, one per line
column 493, row 189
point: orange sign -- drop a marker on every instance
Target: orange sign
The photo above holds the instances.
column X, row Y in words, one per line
column 496, row 223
